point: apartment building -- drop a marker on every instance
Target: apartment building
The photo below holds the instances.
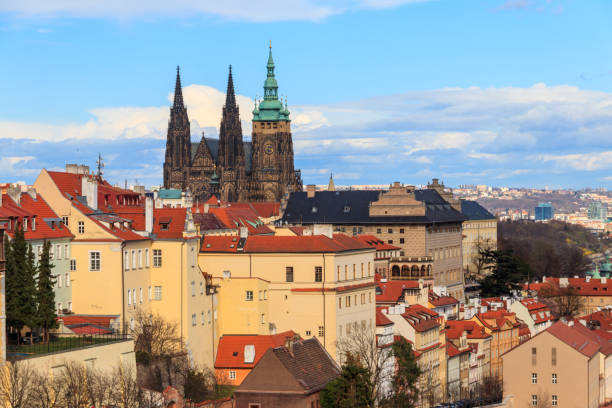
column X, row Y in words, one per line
column 503, row 327
column 318, row 285
column 536, row 315
column 594, row 293
column 479, row 233
column 30, row 212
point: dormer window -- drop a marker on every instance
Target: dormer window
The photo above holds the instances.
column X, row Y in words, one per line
column 33, row 223
column 163, row 226
column 347, row 208
column 25, row 223
column 314, row 209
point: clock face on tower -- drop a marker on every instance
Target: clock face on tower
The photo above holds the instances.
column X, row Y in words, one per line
column 268, row 148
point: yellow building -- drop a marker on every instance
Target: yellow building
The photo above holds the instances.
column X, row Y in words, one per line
column 504, row 330
column 479, row 233
column 319, row 285
column 128, row 255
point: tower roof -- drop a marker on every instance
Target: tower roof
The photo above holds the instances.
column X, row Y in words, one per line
column 230, row 96
column 271, row 108
column 178, row 91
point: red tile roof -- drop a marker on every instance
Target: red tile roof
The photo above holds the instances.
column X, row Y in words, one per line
column 453, row 351
column 454, row 328
column 574, row 338
column 391, row 291
column 603, row 317
column 497, row 319
column 234, row 218
column 381, row 319
column 438, row 300
column 594, row 287
column 263, row 210
column 281, row 244
column 230, row 353
column 45, row 217
column 421, row 318
column 377, row 243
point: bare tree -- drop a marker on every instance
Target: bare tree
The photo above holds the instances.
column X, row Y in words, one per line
column 543, row 400
column 100, row 387
column 565, row 301
column 126, row 393
column 479, row 261
column 17, row 382
column 155, row 336
column 76, row 390
column 362, row 345
column 48, row 391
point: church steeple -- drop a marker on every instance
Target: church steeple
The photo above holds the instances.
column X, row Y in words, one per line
column 331, row 186
column 270, row 86
column 271, row 108
column 178, row 91
column 230, row 96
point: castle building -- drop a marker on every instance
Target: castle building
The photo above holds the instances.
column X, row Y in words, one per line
column 229, row 167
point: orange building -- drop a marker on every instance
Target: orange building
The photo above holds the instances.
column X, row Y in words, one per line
column 504, row 327
column 238, row 353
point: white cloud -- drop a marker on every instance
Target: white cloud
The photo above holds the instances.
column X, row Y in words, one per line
column 581, row 161
column 258, row 11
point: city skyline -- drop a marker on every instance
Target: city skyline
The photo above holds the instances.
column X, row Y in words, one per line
column 378, row 91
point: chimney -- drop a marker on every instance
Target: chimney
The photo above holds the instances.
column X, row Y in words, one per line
column 206, row 208
column 149, row 214
column 310, row 190
column 604, row 280
column 244, row 232
column 89, row 189
column 32, row 192
column 587, row 279
column 15, row 193
column 323, row 229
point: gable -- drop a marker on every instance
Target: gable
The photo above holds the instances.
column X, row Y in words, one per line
column 270, row 375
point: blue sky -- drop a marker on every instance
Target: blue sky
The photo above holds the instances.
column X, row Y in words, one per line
column 499, row 92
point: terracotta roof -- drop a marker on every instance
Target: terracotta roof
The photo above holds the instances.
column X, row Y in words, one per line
column 594, row 287
column 454, row 328
column 497, row 319
column 89, row 324
column 263, row 210
column 391, row 291
column 236, row 217
column 574, row 338
column 297, row 230
column 208, row 222
column 281, row 244
column 230, row 353
column 453, row 351
column 48, row 224
column 603, row 317
column 438, row 300
column 377, row 243
column 169, row 223
column 308, row 363
column 421, row 318
column 381, row 319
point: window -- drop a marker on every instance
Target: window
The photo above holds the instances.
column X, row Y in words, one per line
column 232, row 374
column 67, row 279
column 81, row 227
column 265, row 294
column 321, row 331
column 390, row 230
column 59, row 308
column 208, row 313
column 378, row 230
column 126, row 260
column 157, row 258
column 147, row 257
column 59, row 280
column 65, row 220
column 401, row 230
column 339, row 303
column 554, row 401
column 133, row 259
column 289, row 273
column 345, row 272
column 70, row 307
column 338, row 272
column 554, row 356
column 193, row 289
column 158, row 293
column 58, row 252
column 201, row 288
column 140, row 295
column 66, row 251
column 193, row 320
column 534, row 400
column 140, row 259
column 347, row 301
column 369, row 269
column 401, row 240
column 203, row 318
column 263, row 318
column 554, row 378
column 390, row 242
column 150, row 293
column 249, row 295
column 533, row 356
column 318, row 274
column 308, row 332
column 534, row 378
column 94, row 261
column 129, row 296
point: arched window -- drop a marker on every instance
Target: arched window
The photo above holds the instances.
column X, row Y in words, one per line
column 395, row 271
column 414, row 271
column 405, row 271
column 423, row 270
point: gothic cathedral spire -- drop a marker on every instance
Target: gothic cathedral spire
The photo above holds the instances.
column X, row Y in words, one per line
column 178, row 91
column 231, row 149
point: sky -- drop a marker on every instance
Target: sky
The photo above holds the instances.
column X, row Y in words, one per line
column 496, row 92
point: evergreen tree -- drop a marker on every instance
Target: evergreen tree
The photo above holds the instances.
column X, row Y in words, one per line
column 28, row 292
column 351, row 389
column 16, row 251
column 45, row 296
column 508, row 271
column 405, row 392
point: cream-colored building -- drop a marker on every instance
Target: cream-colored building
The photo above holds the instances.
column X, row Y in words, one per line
column 479, row 233
column 425, row 226
column 318, row 285
column 560, row 366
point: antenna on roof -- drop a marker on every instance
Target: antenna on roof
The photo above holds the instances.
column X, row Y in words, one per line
column 100, row 164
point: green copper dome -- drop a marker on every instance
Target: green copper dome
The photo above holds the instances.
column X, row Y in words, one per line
column 270, row 109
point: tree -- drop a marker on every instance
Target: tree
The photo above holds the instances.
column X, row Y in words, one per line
column 76, row 388
column 155, row 336
column 45, row 296
column 565, row 301
column 17, row 385
column 478, row 261
column 48, row 391
column 362, row 344
column 507, row 273
column 16, row 252
column 126, row 393
column 405, row 392
column 351, row 389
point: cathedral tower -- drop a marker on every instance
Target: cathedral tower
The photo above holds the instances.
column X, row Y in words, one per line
column 178, row 141
column 272, row 162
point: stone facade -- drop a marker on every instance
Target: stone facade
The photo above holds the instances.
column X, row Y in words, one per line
column 230, row 168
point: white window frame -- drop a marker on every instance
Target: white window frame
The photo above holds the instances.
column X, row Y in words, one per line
column 126, row 260
column 139, row 258
column 534, row 378
column 140, row 295
column 193, row 288
column 157, row 258
column 248, row 296
column 81, row 227
column 194, row 320
column 67, row 280
column 133, row 259
column 91, row 260
column 554, row 401
column 554, row 378
column 150, row 293
column 232, row 374
column 66, row 251
column 58, row 278
column 157, row 292
column 147, row 262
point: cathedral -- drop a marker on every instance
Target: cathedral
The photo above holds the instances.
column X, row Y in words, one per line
column 228, row 167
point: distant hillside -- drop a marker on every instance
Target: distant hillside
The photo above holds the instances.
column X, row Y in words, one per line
column 552, row 249
column 560, row 202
